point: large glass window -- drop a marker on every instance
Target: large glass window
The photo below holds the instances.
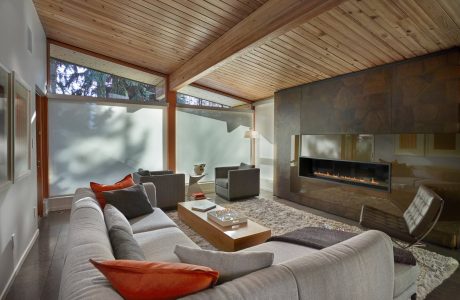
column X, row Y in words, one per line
column 264, row 143
column 97, row 141
column 214, row 137
column 195, row 101
column 72, row 79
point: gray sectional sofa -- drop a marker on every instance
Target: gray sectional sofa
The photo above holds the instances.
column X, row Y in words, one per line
column 359, row 268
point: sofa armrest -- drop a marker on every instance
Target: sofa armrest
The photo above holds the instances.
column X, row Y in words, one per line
column 222, row 172
column 151, row 191
column 359, row 268
column 170, row 189
column 275, row 282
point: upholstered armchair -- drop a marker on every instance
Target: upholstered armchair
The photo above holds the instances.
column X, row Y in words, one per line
column 237, row 182
column 170, row 187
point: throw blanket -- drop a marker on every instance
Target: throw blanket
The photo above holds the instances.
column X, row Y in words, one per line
column 319, row 238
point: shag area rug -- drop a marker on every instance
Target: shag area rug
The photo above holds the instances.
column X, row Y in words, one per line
column 280, row 218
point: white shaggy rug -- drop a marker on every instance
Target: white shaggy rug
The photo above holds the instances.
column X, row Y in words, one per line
column 280, row 218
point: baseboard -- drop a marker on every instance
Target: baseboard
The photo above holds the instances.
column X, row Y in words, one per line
column 58, row 203
column 19, row 265
column 266, row 184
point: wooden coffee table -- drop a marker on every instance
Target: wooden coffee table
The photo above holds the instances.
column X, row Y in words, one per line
column 231, row 238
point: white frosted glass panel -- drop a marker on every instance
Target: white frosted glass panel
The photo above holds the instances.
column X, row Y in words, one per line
column 101, row 143
column 264, row 143
column 213, row 137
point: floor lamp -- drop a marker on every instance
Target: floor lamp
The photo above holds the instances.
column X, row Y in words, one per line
column 252, row 136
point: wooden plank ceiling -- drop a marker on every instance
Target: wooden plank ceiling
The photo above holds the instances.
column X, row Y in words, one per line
column 156, row 34
column 164, row 34
column 356, row 35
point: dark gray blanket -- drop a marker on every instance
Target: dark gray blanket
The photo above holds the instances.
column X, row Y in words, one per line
column 319, row 238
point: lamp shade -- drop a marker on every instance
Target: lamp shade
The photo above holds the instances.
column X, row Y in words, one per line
column 251, row 134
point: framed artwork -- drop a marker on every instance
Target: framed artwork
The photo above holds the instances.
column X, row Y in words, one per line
column 5, row 112
column 443, row 144
column 410, row 144
column 21, row 129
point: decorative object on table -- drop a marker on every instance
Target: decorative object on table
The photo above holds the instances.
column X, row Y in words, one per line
column 5, row 113
column 237, row 182
column 21, row 129
column 198, row 196
column 193, row 185
column 227, row 217
column 203, row 205
column 199, row 168
column 170, row 186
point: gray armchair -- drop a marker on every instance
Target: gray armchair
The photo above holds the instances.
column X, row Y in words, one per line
column 233, row 183
column 170, row 187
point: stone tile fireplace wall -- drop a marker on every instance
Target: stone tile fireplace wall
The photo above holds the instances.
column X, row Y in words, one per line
column 368, row 103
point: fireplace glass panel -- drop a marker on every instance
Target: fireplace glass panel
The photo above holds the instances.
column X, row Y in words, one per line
column 372, row 175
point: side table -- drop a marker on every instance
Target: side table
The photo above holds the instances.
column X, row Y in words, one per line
column 193, row 186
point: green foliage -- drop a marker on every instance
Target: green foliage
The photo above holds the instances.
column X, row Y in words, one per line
column 71, row 79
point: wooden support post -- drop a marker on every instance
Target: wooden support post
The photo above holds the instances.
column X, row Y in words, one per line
column 171, row 119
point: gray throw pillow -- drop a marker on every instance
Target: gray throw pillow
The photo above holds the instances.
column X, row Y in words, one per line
column 230, row 265
column 114, row 217
column 244, row 166
column 124, row 245
column 131, row 201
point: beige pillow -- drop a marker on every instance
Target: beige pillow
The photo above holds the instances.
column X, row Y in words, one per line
column 230, row 265
column 114, row 217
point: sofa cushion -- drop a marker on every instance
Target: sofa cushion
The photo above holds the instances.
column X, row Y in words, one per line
column 153, row 221
column 281, row 251
column 124, row 245
column 405, row 276
column 98, row 188
column 159, row 245
column 137, row 280
column 131, row 201
column 114, row 217
column 230, row 265
column 222, row 182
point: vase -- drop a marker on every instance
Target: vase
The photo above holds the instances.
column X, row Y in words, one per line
column 199, row 169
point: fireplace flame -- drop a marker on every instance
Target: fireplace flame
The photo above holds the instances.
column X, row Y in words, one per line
column 348, row 178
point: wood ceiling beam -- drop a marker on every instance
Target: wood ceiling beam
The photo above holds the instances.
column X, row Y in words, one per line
column 272, row 19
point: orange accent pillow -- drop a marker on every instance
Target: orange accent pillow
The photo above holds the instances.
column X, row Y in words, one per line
column 155, row 280
column 98, row 188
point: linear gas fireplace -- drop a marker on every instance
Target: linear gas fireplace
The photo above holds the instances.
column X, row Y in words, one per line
column 365, row 174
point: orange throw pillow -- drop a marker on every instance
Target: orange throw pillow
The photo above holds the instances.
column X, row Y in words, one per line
column 99, row 188
column 155, row 280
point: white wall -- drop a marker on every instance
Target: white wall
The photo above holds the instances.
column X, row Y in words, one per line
column 17, row 201
column 264, row 112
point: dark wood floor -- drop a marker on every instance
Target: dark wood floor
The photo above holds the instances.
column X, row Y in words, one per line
column 39, row 277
